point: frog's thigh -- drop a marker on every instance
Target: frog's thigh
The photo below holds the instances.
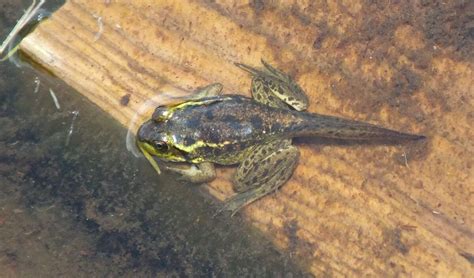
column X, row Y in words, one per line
column 270, row 173
column 196, row 173
column 213, row 89
column 274, row 88
column 262, row 91
column 257, row 166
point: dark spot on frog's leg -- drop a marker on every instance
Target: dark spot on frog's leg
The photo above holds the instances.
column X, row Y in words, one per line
column 125, row 100
column 254, row 180
column 256, row 122
column 278, row 162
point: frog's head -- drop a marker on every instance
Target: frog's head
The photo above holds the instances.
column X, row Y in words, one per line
column 154, row 140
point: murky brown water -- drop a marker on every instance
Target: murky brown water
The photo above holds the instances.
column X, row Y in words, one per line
column 75, row 202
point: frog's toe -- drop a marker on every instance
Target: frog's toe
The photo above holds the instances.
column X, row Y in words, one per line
column 213, row 89
column 231, row 207
column 237, row 202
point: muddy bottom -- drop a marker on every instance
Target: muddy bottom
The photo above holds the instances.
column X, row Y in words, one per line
column 75, row 202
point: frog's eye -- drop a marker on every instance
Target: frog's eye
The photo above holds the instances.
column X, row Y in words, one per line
column 161, row 146
column 161, row 114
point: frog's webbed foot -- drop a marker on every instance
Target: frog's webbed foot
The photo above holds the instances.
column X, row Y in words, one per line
column 253, row 71
column 211, row 90
column 265, row 170
column 276, row 73
column 195, row 173
column 272, row 87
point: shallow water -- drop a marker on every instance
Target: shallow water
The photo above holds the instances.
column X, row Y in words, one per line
column 75, row 202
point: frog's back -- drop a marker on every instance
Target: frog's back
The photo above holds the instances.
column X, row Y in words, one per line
column 227, row 124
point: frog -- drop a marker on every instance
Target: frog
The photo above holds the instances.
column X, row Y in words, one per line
column 255, row 133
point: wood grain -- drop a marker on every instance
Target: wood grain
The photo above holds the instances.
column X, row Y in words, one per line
column 349, row 209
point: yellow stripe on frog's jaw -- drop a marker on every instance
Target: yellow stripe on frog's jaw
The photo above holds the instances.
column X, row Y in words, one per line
column 146, row 149
column 172, row 154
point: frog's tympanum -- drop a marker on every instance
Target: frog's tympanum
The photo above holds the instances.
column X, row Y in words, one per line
column 255, row 133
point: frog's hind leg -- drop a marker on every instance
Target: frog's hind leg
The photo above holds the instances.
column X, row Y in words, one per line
column 265, row 170
column 267, row 70
column 262, row 91
column 272, row 87
column 276, row 73
column 253, row 71
column 262, row 88
column 211, row 90
column 252, row 171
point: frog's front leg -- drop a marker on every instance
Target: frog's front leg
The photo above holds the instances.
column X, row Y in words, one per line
column 262, row 172
column 211, row 90
column 195, row 173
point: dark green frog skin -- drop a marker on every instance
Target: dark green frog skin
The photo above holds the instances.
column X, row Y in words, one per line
column 253, row 132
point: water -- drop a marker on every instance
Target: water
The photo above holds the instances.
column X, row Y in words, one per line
column 75, row 202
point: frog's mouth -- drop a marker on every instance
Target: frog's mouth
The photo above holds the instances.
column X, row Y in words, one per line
column 146, row 148
column 147, row 151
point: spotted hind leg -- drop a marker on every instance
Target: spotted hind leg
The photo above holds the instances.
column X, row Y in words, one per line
column 262, row 173
column 272, row 87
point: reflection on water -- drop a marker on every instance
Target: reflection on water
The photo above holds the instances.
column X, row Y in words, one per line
column 74, row 201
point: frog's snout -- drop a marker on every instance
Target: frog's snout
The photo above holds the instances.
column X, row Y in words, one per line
column 145, row 131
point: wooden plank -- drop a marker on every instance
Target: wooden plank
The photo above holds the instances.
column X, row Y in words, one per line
column 348, row 209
